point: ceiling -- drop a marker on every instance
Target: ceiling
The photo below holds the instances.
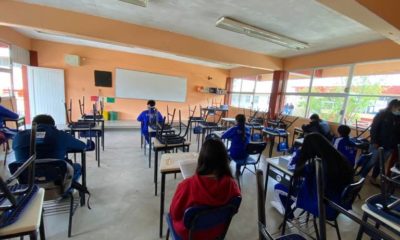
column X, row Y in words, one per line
column 304, row 20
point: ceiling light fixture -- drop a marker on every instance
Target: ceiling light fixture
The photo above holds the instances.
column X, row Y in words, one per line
column 251, row 31
column 142, row 3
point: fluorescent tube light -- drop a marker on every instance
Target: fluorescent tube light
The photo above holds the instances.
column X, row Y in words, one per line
column 251, row 31
column 142, row 3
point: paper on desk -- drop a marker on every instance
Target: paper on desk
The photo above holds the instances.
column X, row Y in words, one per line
column 188, row 167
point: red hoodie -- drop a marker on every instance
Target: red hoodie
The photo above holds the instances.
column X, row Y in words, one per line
column 201, row 190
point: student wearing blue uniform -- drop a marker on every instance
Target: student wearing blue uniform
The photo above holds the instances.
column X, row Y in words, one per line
column 344, row 145
column 240, row 137
column 50, row 143
column 338, row 174
column 149, row 117
column 6, row 113
column 317, row 125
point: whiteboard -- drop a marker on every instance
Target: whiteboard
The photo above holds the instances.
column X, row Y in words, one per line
column 144, row 85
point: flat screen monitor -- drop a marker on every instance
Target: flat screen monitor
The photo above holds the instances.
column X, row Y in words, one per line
column 102, row 78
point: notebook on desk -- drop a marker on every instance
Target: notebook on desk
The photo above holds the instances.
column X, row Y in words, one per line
column 188, row 168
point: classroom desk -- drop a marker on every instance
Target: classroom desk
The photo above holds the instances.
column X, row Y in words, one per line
column 277, row 169
column 272, row 135
column 101, row 122
column 29, row 221
column 150, row 136
column 20, row 122
column 228, row 121
column 214, row 109
column 296, row 132
column 83, row 165
column 170, row 164
column 157, row 147
column 379, row 220
column 97, row 129
column 207, row 129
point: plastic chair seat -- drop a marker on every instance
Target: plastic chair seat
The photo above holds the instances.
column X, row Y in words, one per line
column 248, row 161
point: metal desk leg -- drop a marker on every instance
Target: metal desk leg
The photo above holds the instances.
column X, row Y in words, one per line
column 361, row 230
column 102, row 134
column 162, row 203
column 155, row 170
column 287, row 206
column 150, row 146
column 97, row 150
column 41, row 228
column 83, row 160
column 271, row 146
column 266, row 182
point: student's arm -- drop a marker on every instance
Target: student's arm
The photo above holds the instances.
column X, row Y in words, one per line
column 5, row 113
column 179, row 201
column 375, row 126
column 141, row 117
column 72, row 143
column 229, row 133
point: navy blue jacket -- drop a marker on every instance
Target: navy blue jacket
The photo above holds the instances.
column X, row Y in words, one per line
column 385, row 129
column 50, row 143
column 149, row 117
column 346, row 147
column 237, row 149
column 5, row 113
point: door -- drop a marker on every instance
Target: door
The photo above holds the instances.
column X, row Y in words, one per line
column 46, row 92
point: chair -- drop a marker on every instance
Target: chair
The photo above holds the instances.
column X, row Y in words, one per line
column 201, row 218
column 50, row 174
column 251, row 149
column 263, row 232
column 194, row 120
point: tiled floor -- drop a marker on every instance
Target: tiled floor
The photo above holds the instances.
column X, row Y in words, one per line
column 124, row 205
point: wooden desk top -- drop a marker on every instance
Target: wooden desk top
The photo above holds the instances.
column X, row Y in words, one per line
column 279, row 165
column 158, row 144
column 273, row 133
column 30, row 218
column 170, row 161
column 228, row 119
column 386, row 221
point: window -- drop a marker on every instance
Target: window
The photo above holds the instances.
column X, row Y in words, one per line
column 346, row 94
column 252, row 92
column 5, row 70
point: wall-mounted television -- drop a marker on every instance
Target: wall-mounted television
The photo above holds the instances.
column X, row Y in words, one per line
column 102, row 78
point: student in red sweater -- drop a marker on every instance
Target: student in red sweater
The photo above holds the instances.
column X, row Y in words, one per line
column 212, row 185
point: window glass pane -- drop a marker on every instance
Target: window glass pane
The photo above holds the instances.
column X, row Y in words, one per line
column 237, row 83
column 18, row 88
column 298, row 82
column 263, row 86
column 328, row 108
column 248, row 85
column 246, row 100
column 381, row 78
column 261, row 102
column 5, row 84
column 363, row 109
column 330, row 80
column 295, row 105
column 235, row 100
column 4, row 56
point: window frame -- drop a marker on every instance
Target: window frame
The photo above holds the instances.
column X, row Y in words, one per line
column 252, row 93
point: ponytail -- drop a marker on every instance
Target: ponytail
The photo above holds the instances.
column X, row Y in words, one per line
column 241, row 122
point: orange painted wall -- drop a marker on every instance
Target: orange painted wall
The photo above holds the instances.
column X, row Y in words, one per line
column 79, row 81
column 10, row 36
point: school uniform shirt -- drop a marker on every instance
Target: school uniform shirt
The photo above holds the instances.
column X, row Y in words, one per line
column 201, row 191
column 50, row 143
column 346, row 147
column 5, row 113
column 237, row 150
column 148, row 117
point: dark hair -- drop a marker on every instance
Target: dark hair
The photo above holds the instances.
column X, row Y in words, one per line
column 152, row 103
column 44, row 119
column 337, row 170
column 241, row 121
column 344, row 130
column 213, row 159
column 314, row 116
column 392, row 104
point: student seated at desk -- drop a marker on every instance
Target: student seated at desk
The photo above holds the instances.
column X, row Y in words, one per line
column 240, row 137
column 149, row 117
column 338, row 174
column 344, row 145
column 212, row 185
column 317, row 125
column 50, row 143
column 6, row 113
